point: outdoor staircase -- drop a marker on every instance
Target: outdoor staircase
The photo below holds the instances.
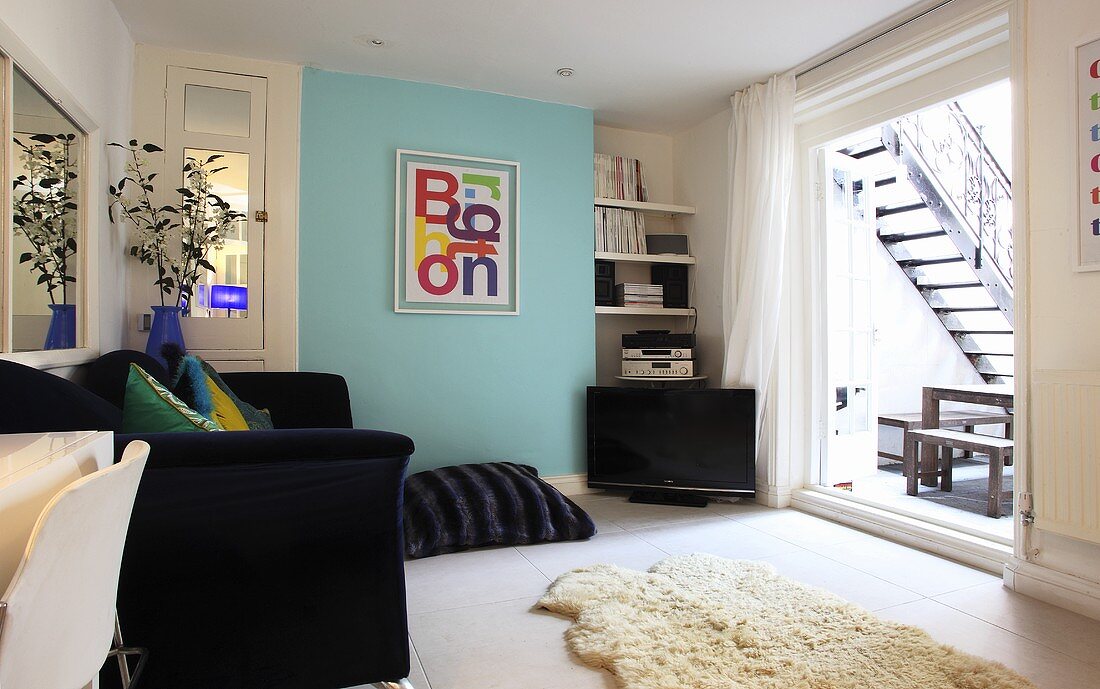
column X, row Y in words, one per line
column 948, row 225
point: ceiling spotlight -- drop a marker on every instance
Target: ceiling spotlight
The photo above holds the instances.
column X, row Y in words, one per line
column 565, row 72
column 370, row 41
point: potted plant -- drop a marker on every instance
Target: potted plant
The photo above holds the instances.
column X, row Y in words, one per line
column 177, row 239
column 44, row 213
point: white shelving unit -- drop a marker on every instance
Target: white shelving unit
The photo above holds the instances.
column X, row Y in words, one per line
column 646, row 207
column 644, row 258
column 642, row 311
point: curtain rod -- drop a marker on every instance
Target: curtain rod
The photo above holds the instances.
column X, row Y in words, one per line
column 874, row 38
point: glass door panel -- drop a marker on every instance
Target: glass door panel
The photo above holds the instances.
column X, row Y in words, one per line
column 848, row 220
column 223, row 291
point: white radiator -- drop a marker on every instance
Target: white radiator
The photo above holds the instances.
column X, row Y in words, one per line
column 1065, row 452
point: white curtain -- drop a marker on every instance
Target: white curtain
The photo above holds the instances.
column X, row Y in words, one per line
column 761, row 162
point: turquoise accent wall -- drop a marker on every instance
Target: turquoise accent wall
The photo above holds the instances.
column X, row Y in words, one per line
column 464, row 388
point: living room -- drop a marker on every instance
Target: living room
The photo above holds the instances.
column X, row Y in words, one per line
column 427, row 364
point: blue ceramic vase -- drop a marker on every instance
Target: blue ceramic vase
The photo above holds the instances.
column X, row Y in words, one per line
column 166, row 328
column 62, row 332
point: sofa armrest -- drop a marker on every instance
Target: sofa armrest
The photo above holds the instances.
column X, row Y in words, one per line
column 296, row 399
column 277, row 575
column 252, row 447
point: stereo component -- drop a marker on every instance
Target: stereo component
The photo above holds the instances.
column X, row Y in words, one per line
column 658, row 369
column 658, row 353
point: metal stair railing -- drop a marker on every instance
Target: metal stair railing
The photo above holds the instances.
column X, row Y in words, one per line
column 964, row 187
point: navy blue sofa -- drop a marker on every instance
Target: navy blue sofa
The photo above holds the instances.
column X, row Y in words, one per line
column 259, row 559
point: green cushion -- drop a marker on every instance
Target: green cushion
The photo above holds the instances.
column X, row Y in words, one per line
column 257, row 419
column 149, row 407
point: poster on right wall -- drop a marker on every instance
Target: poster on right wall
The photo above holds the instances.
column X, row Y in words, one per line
column 1088, row 155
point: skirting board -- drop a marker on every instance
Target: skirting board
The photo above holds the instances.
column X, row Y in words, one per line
column 1064, row 590
column 571, row 484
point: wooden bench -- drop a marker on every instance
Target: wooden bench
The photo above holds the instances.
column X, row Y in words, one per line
column 966, row 420
column 998, row 449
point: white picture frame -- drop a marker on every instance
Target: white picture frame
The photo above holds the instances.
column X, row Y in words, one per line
column 486, row 280
column 1086, row 120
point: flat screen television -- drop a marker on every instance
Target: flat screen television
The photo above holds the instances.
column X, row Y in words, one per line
column 673, row 441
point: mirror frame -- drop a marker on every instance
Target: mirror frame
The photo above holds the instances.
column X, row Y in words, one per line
column 13, row 52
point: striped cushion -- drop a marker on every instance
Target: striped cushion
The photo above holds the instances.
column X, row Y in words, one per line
column 475, row 505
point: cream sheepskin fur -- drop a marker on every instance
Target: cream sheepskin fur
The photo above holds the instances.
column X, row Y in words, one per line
column 704, row 622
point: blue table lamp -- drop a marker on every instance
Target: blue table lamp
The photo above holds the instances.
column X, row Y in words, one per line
column 232, row 297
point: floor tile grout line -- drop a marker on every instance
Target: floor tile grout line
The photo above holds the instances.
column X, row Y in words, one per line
column 1013, row 632
column 872, row 574
column 474, row 605
column 531, row 562
column 544, row 575
column 420, row 662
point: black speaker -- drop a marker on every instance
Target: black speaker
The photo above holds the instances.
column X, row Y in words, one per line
column 674, row 278
column 605, row 283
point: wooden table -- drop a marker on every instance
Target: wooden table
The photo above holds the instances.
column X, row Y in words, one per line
column 989, row 395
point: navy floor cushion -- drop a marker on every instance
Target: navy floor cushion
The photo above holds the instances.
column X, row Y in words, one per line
column 474, row 505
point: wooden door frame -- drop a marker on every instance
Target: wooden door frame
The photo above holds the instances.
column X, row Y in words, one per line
column 280, row 351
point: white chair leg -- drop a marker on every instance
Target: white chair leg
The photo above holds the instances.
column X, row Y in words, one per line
column 400, row 684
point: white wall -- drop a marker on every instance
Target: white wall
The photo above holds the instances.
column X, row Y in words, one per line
column 1064, row 326
column 87, row 47
column 702, row 180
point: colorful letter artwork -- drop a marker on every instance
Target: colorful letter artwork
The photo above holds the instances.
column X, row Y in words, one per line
column 1088, row 162
column 457, row 227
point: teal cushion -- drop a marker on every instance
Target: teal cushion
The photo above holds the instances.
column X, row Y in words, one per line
column 149, row 407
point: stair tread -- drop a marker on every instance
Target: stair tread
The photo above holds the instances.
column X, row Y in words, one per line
column 898, row 209
column 931, row 260
column 967, row 331
column 899, row 237
column 976, row 353
column 962, row 309
column 950, row 285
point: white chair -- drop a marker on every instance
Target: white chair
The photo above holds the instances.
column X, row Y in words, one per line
column 57, row 618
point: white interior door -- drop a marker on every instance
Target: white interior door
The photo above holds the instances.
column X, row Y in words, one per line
column 847, row 217
column 211, row 114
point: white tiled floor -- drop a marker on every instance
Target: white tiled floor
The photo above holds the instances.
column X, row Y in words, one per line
column 473, row 624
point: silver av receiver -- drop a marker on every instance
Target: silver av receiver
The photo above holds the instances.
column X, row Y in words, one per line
column 659, row 369
column 658, row 353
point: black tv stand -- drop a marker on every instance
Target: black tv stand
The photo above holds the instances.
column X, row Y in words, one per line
column 668, row 497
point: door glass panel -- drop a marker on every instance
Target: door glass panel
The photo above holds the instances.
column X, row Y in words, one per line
column 46, row 254
column 861, row 304
column 223, row 292
column 210, row 110
column 861, row 355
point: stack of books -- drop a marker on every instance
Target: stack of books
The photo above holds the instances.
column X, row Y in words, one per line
column 639, row 295
column 617, row 177
column 620, row 231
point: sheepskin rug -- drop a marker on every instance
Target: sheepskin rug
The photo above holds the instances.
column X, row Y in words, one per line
column 705, row 622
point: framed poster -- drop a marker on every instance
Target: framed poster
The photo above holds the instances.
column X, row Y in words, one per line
column 457, row 235
column 1087, row 67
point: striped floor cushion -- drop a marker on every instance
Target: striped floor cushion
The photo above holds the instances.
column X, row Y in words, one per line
column 475, row 505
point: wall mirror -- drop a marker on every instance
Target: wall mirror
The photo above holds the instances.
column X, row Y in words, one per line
column 45, row 259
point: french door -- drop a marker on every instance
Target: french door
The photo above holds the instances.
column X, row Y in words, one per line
column 220, row 120
column 847, row 216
